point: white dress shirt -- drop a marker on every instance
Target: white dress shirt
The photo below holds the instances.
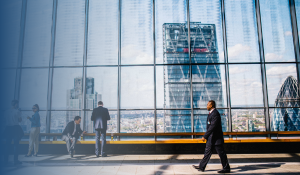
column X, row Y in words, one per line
column 12, row 117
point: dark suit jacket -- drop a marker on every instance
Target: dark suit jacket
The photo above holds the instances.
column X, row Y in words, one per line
column 100, row 116
column 214, row 133
column 70, row 129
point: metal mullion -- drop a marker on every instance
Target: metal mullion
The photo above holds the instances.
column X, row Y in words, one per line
column 20, row 50
column 263, row 66
column 51, row 63
column 154, row 68
column 295, row 38
column 226, row 65
column 119, row 68
column 190, row 66
column 83, row 104
column 283, row 107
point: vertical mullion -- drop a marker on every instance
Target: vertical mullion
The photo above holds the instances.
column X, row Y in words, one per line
column 295, row 38
column 154, row 67
column 119, row 68
column 226, row 65
column 20, row 50
column 83, row 104
column 263, row 66
column 51, row 62
column 190, row 67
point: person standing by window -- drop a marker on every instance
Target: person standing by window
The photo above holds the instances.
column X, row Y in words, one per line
column 34, row 132
column 13, row 131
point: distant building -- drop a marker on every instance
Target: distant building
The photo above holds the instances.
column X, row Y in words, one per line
column 207, row 82
column 250, row 126
column 74, row 99
column 287, row 119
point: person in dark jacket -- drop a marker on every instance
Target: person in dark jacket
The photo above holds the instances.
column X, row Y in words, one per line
column 215, row 140
column 71, row 134
column 100, row 116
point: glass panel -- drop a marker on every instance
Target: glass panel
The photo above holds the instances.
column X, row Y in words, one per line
column 200, row 120
column 7, row 89
column 285, row 119
column 60, row 119
column 277, row 30
column 137, row 32
column 173, row 87
column 67, row 88
column 102, row 85
column 69, row 39
column 209, row 84
column 171, row 47
column 37, row 40
column 241, row 31
column 137, row 87
column 26, row 124
column 103, row 32
column 245, row 85
column 206, row 31
column 248, row 120
column 111, row 124
column 34, row 85
column 141, row 121
column 282, row 85
column 10, row 17
column 174, row 121
column 297, row 7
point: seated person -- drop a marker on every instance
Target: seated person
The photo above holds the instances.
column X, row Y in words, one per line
column 71, row 134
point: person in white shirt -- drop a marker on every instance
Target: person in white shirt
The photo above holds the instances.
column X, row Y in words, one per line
column 13, row 130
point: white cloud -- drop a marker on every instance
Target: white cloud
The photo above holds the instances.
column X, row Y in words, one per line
column 273, row 57
column 237, row 70
column 288, row 33
column 281, row 70
column 132, row 52
column 256, row 84
column 237, row 50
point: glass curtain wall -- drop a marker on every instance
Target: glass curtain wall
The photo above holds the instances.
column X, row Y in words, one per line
column 154, row 63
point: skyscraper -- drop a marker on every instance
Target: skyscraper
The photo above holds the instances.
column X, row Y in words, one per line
column 287, row 119
column 74, row 98
column 207, row 84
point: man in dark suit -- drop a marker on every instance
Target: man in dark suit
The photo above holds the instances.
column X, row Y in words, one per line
column 71, row 134
column 214, row 137
column 100, row 116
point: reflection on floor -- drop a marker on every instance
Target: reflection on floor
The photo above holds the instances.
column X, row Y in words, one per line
column 152, row 164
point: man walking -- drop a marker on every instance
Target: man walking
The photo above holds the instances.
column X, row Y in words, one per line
column 71, row 134
column 214, row 137
column 100, row 116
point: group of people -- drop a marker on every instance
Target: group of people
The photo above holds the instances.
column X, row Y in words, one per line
column 213, row 136
column 73, row 131
column 13, row 131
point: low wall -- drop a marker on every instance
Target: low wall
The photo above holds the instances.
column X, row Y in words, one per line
column 230, row 148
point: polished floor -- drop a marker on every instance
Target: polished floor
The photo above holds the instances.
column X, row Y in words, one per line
column 152, row 164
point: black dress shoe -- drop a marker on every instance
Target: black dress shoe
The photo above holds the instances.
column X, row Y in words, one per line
column 200, row 170
column 196, row 167
column 224, row 171
column 104, row 155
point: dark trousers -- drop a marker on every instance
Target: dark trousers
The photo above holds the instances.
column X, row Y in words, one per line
column 8, row 145
column 102, row 133
column 208, row 153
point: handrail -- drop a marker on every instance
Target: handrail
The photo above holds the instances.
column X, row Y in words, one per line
column 184, row 134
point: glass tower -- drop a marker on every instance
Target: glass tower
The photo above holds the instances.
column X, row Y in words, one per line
column 177, row 78
column 286, row 119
